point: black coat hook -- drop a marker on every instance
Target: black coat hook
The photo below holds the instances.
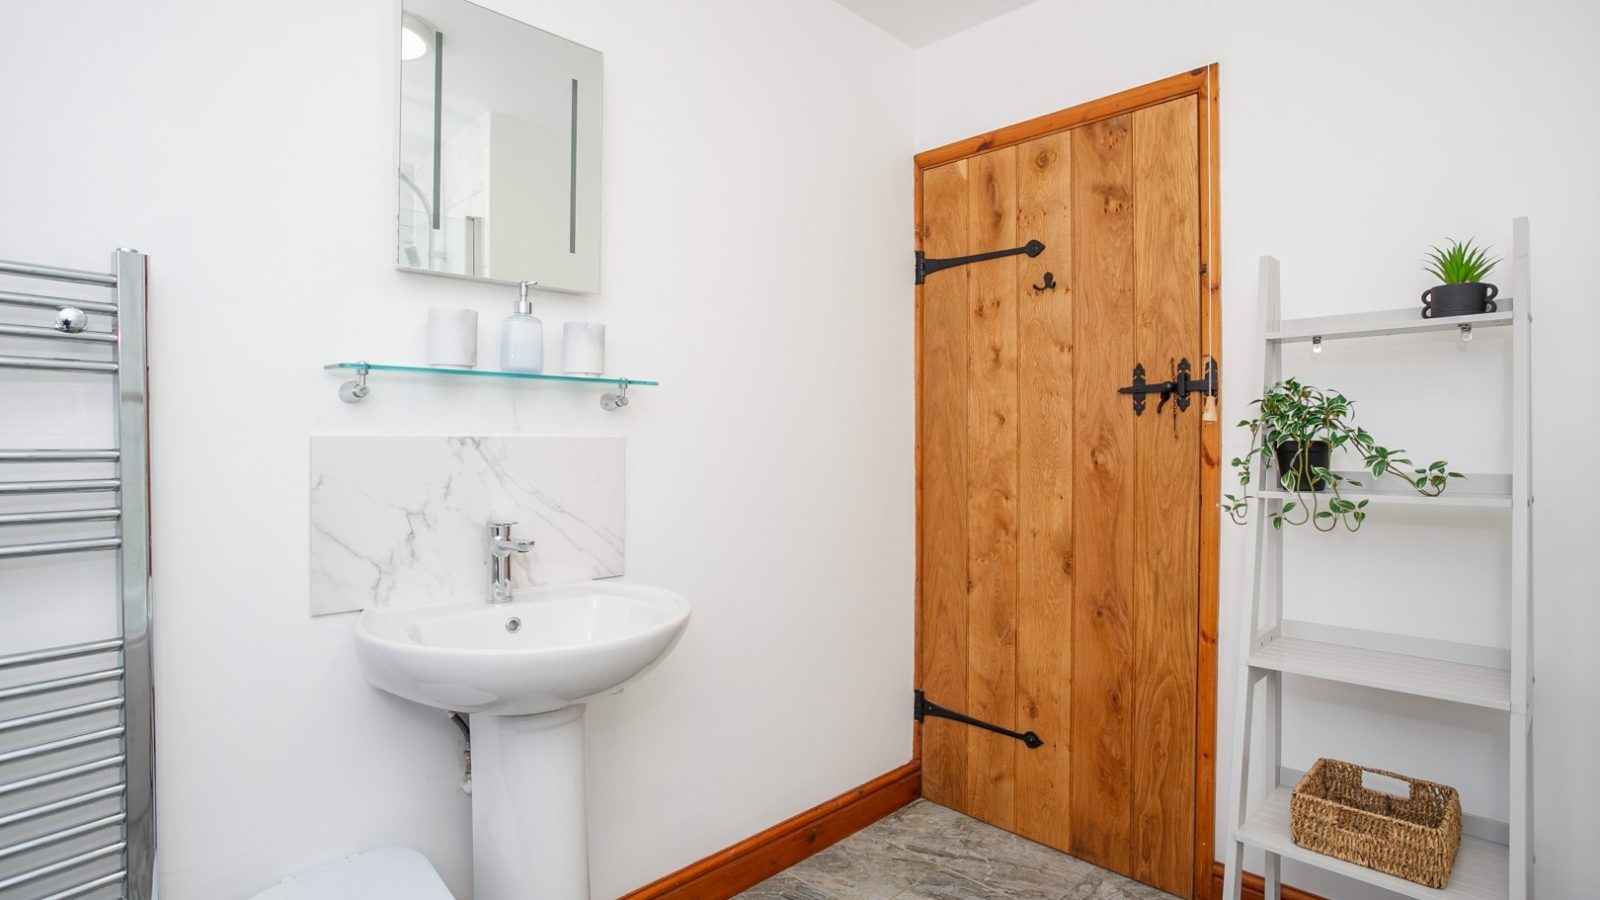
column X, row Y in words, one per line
column 1049, row 283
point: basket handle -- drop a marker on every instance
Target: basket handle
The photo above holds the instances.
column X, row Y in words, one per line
column 1410, row 783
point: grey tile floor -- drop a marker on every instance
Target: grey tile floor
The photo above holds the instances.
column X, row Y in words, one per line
column 928, row 852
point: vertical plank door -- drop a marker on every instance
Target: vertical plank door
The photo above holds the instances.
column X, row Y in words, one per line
column 1058, row 534
column 942, row 522
column 991, row 487
column 1102, row 605
column 1044, row 501
column 1166, row 505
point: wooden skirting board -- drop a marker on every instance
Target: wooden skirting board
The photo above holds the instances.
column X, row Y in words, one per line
column 758, row 858
column 755, row 859
column 1254, row 888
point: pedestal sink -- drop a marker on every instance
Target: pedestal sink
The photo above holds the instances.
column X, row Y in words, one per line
column 522, row 671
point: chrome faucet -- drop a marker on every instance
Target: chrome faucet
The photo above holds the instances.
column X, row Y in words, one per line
column 501, row 546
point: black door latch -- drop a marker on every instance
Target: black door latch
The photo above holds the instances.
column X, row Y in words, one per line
column 925, row 707
column 1181, row 386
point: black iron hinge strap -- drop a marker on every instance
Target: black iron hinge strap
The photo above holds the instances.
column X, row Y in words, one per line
column 925, row 707
column 926, row 266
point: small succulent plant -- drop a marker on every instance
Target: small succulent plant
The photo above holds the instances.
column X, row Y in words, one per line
column 1459, row 262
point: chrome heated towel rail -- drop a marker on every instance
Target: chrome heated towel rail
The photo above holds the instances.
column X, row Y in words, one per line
column 76, row 738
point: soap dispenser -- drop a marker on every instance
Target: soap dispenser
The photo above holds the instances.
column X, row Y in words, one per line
column 522, row 337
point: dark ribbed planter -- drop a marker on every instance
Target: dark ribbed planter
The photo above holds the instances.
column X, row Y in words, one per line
column 1317, row 456
column 1466, row 299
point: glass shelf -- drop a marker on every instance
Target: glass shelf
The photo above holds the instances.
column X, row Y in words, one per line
column 356, row 390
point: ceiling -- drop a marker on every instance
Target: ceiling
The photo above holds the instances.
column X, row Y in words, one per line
column 921, row 22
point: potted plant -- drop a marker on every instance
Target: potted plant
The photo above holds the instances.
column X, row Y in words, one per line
column 1298, row 427
column 1460, row 268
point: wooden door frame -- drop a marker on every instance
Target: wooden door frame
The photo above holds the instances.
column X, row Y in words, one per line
column 1202, row 84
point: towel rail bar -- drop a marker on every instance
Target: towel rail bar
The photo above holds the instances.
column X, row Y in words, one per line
column 52, row 364
column 59, row 516
column 31, row 456
column 51, row 334
column 55, row 273
column 58, row 715
column 60, row 684
column 79, row 890
column 62, row 865
column 56, row 837
column 40, row 301
column 18, row 551
column 55, row 806
column 58, row 775
column 35, row 751
column 67, row 486
column 70, row 651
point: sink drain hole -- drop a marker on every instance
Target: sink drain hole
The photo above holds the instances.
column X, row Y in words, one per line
column 513, row 624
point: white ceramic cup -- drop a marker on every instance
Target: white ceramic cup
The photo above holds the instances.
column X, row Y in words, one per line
column 452, row 337
column 583, row 348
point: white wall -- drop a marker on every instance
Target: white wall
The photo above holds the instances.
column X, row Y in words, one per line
column 757, row 211
column 1353, row 136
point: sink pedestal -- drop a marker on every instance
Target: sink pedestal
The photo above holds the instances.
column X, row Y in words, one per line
column 522, row 670
column 530, row 838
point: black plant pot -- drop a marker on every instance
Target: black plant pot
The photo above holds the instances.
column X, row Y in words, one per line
column 1317, row 456
column 1466, row 299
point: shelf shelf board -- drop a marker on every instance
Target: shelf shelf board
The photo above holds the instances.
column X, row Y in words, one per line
column 1386, row 322
column 1482, row 870
column 1420, row 676
column 1482, row 490
column 489, row 373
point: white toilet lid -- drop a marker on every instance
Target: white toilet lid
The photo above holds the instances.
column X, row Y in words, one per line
column 389, row 873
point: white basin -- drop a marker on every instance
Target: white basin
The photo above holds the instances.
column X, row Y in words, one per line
column 547, row 649
column 522, row 671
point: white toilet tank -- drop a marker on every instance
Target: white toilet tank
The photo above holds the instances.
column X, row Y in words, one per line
column 388, row 873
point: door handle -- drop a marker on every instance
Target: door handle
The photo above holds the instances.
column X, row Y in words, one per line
column 1181, row 386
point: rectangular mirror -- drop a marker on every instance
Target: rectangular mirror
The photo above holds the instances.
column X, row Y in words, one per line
column 499, row 149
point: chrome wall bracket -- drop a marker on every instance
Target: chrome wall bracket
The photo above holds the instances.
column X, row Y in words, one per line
column 355, row 390
column 612, row 402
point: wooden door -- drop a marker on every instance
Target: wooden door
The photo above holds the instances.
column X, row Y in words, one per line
column 1059, row 532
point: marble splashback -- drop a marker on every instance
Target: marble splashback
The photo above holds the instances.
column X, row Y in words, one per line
column 403, row 520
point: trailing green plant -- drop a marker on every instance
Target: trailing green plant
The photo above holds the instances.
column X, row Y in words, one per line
column 1293, row 412
column 1459, row 262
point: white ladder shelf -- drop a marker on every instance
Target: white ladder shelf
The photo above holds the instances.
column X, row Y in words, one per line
column 1496, row 859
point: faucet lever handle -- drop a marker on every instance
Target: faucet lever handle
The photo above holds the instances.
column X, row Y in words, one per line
column 503, row 543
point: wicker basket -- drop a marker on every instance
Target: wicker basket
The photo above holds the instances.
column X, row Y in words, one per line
column 1415, row 837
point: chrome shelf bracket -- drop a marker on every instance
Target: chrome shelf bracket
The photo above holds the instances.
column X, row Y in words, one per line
column 613, row 402
column 355, row 390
